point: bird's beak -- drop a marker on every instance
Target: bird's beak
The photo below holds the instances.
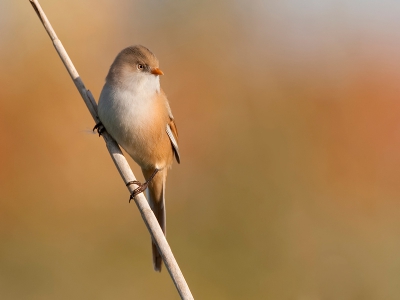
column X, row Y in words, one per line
column 156, row 71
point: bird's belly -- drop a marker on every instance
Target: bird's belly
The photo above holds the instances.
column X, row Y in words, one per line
column 140, row 131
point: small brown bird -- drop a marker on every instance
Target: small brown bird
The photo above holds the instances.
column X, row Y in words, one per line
column 135, row 112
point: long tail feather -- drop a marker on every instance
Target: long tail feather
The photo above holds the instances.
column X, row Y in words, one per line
column 156, row 198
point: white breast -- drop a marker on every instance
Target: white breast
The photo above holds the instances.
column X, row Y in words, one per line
column 125, row 109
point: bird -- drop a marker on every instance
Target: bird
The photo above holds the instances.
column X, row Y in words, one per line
column 135, row 111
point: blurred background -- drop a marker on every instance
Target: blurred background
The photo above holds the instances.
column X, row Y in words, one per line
column 288, row 115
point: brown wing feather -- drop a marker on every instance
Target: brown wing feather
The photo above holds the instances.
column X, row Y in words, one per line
column 174, row 132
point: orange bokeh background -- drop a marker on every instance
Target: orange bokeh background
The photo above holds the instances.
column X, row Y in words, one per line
column 288, row 115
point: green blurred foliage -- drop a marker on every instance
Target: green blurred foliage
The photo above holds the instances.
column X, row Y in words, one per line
column 288, row 115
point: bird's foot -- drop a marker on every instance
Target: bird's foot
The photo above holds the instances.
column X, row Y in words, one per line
column 100, row 128
column 140, row 189
column 142, row 186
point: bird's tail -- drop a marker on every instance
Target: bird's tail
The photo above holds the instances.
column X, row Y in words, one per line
column 156, row 197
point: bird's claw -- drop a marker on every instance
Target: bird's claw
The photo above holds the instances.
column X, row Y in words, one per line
column 141, row 186
column 140, row 189
column 100, row 128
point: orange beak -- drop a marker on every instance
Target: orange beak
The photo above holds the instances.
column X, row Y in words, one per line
column 157, row 71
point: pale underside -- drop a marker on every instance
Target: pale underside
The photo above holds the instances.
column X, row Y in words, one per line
column 136, row 114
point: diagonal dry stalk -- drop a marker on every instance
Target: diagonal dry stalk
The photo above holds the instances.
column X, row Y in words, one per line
column 121, row 164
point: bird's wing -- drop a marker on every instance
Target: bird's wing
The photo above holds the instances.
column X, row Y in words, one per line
column 173, row 136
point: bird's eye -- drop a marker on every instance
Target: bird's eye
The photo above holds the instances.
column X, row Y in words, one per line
column 140, row 67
